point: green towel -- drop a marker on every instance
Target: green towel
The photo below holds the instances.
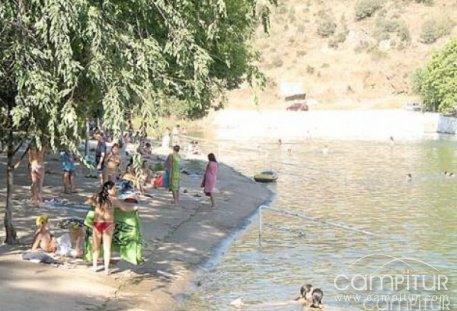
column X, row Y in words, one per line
column 127, row 237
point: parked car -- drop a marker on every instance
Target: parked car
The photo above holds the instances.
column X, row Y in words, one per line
column 298, row 107
column 413, row 106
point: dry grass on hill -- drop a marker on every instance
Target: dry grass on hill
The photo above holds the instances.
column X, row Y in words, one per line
column 344, row 63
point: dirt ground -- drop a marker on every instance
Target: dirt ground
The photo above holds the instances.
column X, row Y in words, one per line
column 177, row 241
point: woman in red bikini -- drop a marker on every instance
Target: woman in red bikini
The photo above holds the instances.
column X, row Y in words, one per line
column 104, row 222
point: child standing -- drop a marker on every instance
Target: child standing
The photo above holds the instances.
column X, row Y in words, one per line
column 68, row 165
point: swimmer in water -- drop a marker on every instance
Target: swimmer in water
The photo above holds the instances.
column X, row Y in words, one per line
column 409, row 177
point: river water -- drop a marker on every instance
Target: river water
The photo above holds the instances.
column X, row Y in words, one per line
column 363, row 232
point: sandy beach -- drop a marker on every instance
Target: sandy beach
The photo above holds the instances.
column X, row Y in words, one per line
column 178, row 242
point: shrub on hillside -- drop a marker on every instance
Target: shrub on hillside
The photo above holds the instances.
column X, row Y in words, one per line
column 292, row 16
column 366, row 8
column 282, row 10
column 386, row 27
column 337, row 39
column 403, row 33
column 433, row 29
column 310, row 69
column 277, row 62
column 326, row 26
column 426, row 2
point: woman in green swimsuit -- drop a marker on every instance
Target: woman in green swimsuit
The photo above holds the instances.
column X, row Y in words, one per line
column 174, row 161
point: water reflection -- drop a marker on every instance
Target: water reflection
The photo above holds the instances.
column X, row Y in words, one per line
column 363, row 185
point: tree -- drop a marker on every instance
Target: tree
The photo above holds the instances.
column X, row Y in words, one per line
column 366, row 8
column 436, row 83
column 62, row 61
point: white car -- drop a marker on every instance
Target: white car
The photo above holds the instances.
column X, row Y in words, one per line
column 413, row 107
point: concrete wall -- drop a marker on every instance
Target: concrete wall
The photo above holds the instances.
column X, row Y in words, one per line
column 446, row 125
column 354, row 124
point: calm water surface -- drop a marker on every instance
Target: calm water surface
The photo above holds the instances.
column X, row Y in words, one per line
column 361, row 185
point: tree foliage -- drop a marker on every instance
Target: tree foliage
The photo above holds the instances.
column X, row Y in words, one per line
column 64, row 59
column 62, row 62
column 436, row 83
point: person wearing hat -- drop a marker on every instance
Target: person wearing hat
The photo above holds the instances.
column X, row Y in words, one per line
column 43, row 239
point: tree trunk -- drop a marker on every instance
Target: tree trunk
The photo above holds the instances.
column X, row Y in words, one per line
column 11, row 236
column 86, row 141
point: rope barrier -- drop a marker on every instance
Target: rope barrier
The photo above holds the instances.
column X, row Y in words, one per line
column 309, row 218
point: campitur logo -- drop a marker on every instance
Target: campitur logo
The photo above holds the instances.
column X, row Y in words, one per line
column 392, row 284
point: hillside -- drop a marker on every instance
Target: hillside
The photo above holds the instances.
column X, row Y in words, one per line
column 320, row 47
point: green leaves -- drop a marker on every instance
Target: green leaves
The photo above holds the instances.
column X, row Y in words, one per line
column 62, row 62
column 437, row 82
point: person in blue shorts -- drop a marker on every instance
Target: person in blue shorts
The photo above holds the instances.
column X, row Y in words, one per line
column 68, row 165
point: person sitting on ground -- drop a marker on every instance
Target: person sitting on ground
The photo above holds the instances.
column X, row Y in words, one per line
column 131, row 176
column 104, row 222
column 43, row 239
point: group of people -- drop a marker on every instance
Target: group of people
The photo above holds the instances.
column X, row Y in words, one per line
column 109, row 167
column 173, row 172
column 104, row 203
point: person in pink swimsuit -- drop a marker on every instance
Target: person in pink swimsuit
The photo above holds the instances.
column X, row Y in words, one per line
column 104, row 222
column 209, row 179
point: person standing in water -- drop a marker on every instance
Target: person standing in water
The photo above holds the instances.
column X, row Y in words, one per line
column 104, row 223
column 210, row 177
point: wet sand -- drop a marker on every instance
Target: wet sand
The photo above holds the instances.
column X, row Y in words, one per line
column 179, row 240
